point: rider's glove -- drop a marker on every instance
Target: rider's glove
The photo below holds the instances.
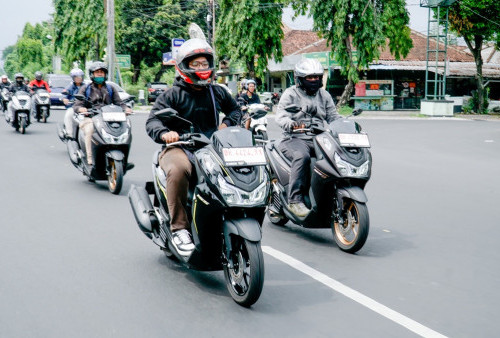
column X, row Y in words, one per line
column 292, row 125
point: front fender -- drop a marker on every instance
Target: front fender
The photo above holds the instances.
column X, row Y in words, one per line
column 116, row 155
column 354, row 193
column 247, row 228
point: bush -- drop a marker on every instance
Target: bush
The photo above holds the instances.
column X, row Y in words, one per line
column 471, row 106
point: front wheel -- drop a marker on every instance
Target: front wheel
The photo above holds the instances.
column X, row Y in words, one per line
column 351, row 235
column 22, row 125
column 246, row 277
column 263, row 135
column 115, row 176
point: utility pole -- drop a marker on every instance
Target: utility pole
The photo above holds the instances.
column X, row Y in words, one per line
column 110, row 49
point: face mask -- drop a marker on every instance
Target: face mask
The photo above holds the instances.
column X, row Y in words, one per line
column 20, row 82
column 99, row 80
column 311, row 87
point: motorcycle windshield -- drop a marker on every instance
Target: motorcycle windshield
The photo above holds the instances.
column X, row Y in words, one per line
column 111, row 108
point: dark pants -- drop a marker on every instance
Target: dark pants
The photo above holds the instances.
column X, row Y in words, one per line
column 299, row 151
column 178, row 168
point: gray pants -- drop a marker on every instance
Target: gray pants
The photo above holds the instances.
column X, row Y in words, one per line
column 68, row 122
column 299, row 151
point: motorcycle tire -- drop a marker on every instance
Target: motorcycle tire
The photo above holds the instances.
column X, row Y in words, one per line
column 351, row 236
column 280, row 220
column 115, row 176
column 22, row 125
column 263, row 135
column 246, row 279
column 44, row 117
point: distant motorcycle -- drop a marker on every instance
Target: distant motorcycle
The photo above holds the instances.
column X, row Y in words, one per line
column 258, row 125
column 18, row 111
column 41, row 99
column 4, row 97
column 339, row 173
column 111, row 143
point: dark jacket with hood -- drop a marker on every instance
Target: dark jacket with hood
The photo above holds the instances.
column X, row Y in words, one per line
column 15, row 87
column 195, row 106
column 98, row 97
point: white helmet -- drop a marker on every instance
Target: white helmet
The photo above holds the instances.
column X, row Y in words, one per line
column 192, row 49
column 76, row 72
column 309, row 67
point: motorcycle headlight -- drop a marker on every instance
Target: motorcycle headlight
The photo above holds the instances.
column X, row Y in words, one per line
column 347, row 169
column 112, row 139
column 236, row 197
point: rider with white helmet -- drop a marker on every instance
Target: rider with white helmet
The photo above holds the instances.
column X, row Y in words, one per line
column 298, row 147
column 69, row 96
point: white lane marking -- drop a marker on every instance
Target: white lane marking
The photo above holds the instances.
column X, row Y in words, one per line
column 489, row 141
column 356, row 296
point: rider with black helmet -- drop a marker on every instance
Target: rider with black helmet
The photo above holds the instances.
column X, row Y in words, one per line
column 19, row 84
column 298, row 147
column 38, row 83
column 98, row 93
column 195, row 99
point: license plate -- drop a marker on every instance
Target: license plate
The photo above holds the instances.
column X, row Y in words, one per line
column 354, row 140
column 114, row 117
column 244, row 156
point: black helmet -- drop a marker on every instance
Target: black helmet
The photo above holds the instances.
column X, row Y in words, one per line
column 190, row 50
column 96, row 66
column 38, row 75
column 18, row 75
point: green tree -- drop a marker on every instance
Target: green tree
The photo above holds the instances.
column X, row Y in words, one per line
column 80, row 29
column 250, row 30
column 477, row 22
column 362, row 25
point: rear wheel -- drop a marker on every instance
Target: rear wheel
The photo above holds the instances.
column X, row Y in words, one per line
column 246, row 277
column 115, row 176
column 22, row 125
column 351, row 235
column 263, row 135
column 44, row 116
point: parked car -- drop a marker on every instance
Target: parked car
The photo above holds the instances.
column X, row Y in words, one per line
column 57, row 83
column 155, row 89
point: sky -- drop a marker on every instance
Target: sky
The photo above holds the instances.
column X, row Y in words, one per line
column 16, row 13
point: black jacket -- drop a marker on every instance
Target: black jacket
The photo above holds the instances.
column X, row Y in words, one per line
column 4, row 85
column 254, row 99
column 195, row 106
column 14, row 88
column 99, row 97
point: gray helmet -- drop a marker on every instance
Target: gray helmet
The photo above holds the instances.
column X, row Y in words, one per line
column 250, row 82
column 38, row 75
column 96, row 66
column 18, row 75
column 189, row 50
column 307, row 67
column 76, row 72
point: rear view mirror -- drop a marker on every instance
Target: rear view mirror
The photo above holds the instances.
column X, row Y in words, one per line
column 80, row 97
column 356, row 112
column 166, row 114
column 293, row 108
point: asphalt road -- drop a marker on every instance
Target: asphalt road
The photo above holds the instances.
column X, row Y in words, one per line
column 74, row 264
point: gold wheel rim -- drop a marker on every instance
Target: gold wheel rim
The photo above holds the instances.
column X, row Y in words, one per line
column 350, row 227
column 112, row 176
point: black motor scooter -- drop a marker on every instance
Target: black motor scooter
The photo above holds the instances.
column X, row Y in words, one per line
column 111, row 143
column 226, row 205
column 339, row 172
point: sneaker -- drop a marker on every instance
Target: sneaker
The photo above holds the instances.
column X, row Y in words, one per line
column 299, row 209
column 183, row 242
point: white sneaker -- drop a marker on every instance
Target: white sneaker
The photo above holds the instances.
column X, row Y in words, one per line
column 183, row 242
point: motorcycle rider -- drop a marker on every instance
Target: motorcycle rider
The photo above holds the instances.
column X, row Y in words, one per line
column 38, row 83
column 5, row 83
column 98, row 93
column 15, row 87
column 298, row 147
column 196, row 99
column 69, row 95
column 250, row 96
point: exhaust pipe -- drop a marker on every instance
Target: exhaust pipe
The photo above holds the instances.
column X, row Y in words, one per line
column 143, row 210
column 61, row 132
column 73, row 152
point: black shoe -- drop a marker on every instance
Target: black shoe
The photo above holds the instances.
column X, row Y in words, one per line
column 299, row 209
column 129, row 166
